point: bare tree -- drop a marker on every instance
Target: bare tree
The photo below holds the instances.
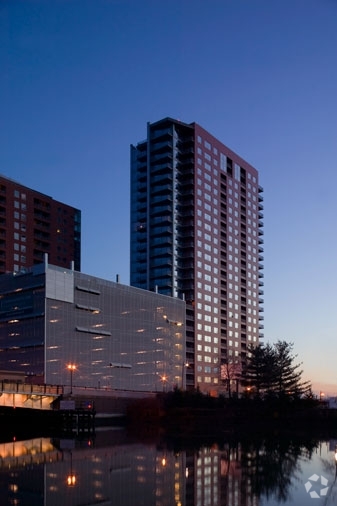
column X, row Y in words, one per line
column 230, row 372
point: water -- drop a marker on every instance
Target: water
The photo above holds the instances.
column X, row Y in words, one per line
column 115, row 468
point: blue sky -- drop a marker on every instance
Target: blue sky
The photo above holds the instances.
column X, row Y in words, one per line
column 79, row 80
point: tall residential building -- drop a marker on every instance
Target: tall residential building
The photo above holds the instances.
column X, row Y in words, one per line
column 32, row 224
column 197, row 234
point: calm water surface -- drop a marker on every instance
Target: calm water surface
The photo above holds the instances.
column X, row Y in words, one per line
column 113, row 468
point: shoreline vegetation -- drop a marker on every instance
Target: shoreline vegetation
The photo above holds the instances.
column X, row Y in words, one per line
column 192, row 414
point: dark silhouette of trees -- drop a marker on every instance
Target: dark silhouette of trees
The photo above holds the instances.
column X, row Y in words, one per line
column 272, row 370
column 257, row 375
column 230, row 375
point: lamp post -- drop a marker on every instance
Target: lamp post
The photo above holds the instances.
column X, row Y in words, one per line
column 164, row 379
column 185, row 364
column 71, row 368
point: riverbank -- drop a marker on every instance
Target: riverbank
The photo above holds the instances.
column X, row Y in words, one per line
column 182, row 414
column 178, row 414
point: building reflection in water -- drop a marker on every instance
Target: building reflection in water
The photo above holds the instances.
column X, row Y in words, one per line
column 111, row 469
column 215, row 476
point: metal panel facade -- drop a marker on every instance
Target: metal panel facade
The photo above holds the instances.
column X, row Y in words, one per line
column 114, row 336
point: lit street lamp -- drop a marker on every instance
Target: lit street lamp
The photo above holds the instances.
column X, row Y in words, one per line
column 71, row 368
column 164, row 380
column 185, row 364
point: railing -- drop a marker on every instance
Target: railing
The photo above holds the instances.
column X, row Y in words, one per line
column 25, row 388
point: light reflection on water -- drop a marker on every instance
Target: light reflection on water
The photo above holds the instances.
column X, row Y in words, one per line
column 114, row 468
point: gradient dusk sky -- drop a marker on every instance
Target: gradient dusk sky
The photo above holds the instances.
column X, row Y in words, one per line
column 80, row 79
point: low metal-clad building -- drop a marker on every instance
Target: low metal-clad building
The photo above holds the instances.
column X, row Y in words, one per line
column 62, row 327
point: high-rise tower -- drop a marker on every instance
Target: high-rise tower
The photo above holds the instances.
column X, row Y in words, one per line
column 197, row 234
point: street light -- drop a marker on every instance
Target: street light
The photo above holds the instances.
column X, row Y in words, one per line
column 71, row 368
column 185, row 364
column 163, row 379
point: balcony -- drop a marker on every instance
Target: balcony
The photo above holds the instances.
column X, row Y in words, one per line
column 186, row 244
column 186, row 223
column 161, row 147
column 163, row 133
column 165, row 177
column 161, row 199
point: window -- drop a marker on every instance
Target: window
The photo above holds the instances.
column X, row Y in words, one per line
column 223, row 162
